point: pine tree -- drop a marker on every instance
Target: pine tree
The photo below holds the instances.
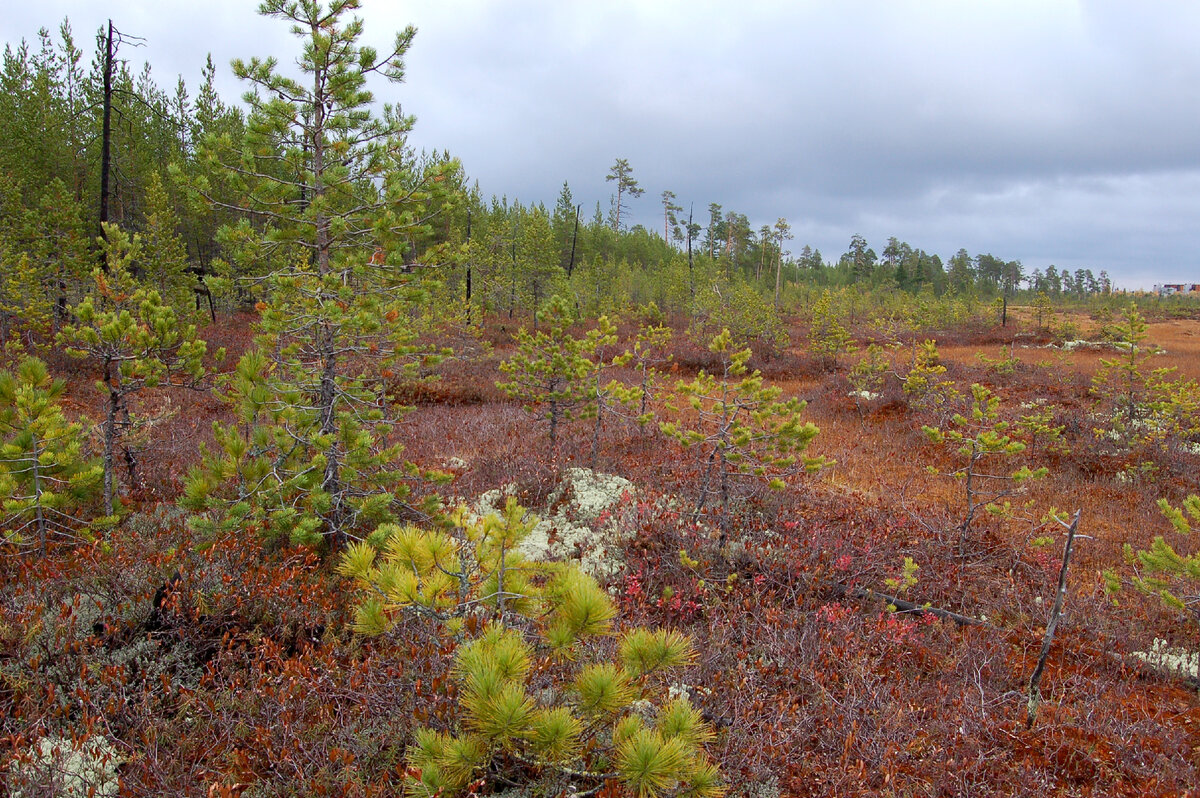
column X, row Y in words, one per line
column 575, row 723
column 551, row 369
column 622, row 174
column 163, row 263
column 827, row 337
column 44, row 474
column 1163, row 571
column 607, row 397
column 272, row 467
column 982, row 442
column 537, row 257
column 1134, row 391
column 24, row 307
column 924, row 382
column 1042, row 311
column 649, row 352
column 1173, row 577
column 337, row 186
column 739, row 426
column 58, row 248
column 867, row 375
column 135, row 341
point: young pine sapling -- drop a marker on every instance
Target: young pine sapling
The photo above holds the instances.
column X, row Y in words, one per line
column 981, row 443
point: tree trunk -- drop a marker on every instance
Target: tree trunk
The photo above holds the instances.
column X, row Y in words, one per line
column 327, row 407
column 468, row 267
column 512, row 292
column 1060, row 596
column 778, row 273
column 574, row 238
column 110, row 443
column 596, row 432
column 704, row 482
column 37, row 493
column 691, row 265
column 106, row 141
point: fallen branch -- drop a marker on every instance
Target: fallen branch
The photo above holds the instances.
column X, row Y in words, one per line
column 907, row 606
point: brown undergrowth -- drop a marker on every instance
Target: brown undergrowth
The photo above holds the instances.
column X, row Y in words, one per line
column 227, row 667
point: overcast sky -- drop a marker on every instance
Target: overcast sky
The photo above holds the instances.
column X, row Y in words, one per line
column 1047, row 131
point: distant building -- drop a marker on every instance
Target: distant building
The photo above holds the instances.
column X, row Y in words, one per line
column 1170, row 289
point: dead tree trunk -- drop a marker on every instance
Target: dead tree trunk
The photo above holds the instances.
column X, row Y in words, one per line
column 1035, row 694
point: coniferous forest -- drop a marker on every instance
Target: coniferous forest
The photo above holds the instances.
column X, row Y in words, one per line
column 324, row 474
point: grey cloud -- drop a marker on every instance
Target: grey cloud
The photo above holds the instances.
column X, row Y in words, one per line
column 1045, row 130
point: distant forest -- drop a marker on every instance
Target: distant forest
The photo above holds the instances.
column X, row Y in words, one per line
column 87, row 142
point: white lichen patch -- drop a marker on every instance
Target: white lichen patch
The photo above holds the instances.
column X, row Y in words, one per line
column 579, row 521
column 1118, row 346
column 70, row 769
column 1171, row 661
column 867, row 396
column 1188, row 447
column 590, row 495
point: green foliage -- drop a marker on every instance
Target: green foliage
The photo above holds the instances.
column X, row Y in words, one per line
column 738, row 426
column 1038, row 429
column 538, row 275
column 739, row 307
column 923, row 383
column 1042, row 311
column 867, row 375
column 552, row 368
column 607, row 397
column 622, row 174
column 48, row 255
column 1177, row 411
column 336, row 323
column 23, row 305
column 903, row 583
column 1164, row 572
column 1125, row 383
column 163, row 261
column 649, row 352
column 135, row 341
column 309, row 457
column 1063, row 328
column 514, row 617
column 981, row 442
column 44, row 474
column 827, row 338
column 317, row 139
column 1002, row 365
